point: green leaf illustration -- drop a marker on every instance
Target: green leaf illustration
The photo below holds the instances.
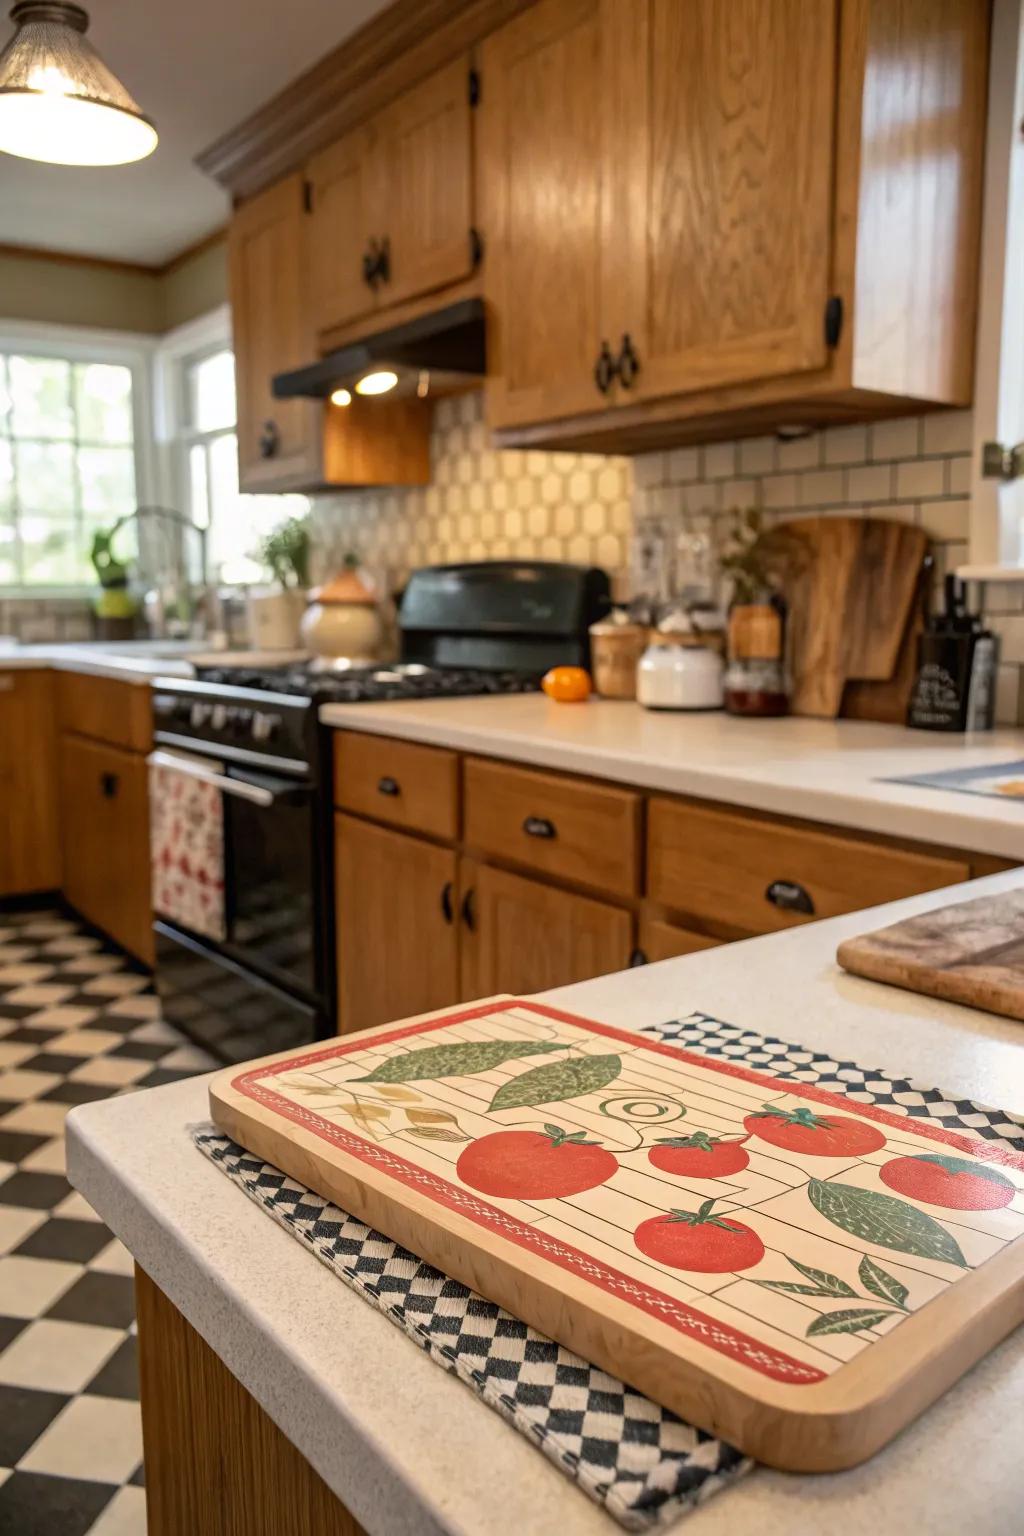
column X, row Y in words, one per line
column 793, row 1289
column 849, row 1320
column 882, row 1219
column 568, row 1079
column 880, row 1283
column 455, row 1060
column 831, row 1284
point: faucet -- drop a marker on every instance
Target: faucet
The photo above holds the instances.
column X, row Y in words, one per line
column 173, row 592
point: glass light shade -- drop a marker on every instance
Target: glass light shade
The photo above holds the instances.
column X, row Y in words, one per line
column 341, row 397
column 377, row 383
column 58, row 101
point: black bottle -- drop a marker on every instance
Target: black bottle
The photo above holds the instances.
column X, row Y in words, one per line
column 954, row 689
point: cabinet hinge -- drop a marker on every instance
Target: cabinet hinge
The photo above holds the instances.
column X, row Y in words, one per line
column 474, row 87
column 1001, row 463
column 307, row 196
column 833, row 320
column 476, row 247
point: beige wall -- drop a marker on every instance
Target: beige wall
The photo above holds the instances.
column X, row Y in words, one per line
column 37, row 287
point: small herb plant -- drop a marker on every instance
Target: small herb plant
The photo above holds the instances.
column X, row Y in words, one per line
column 286, row 551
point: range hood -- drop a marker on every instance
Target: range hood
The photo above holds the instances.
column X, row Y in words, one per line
column 436, row 351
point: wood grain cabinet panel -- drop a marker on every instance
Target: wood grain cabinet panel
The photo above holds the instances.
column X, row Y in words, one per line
column 347, row 211
column 658, row 939
column 278, row 440
column 104, row 800
column 397, row 943
column 726, row 154
column 397, row 781
column 568, row 828
column 115, row 712
column 522, row 936
column 727, row 867
column 29, row 831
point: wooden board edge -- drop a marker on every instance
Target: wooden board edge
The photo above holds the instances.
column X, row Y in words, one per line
column 947, row 986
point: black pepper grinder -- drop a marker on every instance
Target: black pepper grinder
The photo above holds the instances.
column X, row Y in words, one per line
column 954, row 689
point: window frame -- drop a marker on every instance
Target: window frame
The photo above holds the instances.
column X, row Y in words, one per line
column 84, row 344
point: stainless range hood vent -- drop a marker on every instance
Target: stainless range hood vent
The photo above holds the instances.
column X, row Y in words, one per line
column 449, row 344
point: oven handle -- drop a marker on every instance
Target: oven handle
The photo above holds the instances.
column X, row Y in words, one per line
column 239, row 788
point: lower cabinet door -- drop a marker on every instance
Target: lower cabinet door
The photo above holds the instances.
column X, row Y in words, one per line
column 521, row 936
column 396, row 904
column 105, row 821
column 29, row 835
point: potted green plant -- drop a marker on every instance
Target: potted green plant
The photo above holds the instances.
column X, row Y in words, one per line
column 754, row 560
column 276, row 613
column 115, row 608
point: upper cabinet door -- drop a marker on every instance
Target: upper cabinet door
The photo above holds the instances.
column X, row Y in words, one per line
column 346, row 226
column 277, row 444
column 544, row 177
column 726, row 115
column 425, row 140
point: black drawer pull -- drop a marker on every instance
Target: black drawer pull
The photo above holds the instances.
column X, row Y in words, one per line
column 638, row 957
column 469, row 911
column 447, row 910
column 108, row 785
column 388, row 786
column 539, row 826
column 790, row 896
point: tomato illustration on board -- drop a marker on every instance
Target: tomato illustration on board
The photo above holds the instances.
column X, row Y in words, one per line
column 535, row 1165
column 699, row 1156
column 699, row 1240
column 802, row 1130
column 950, row 1182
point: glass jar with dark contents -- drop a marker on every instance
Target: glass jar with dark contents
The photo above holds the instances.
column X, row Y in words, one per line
column 755, row 679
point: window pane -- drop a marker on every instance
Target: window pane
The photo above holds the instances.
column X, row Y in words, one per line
column 103, row 400
column 8, row 554
column 6, row 403
column 41, row 390
column 46, row 476
column 6, row 476
column 107, row 478
column 199, row 492
column 211, row 387
column 53, row 552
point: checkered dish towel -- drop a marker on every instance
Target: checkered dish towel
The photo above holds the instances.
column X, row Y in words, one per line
column 639, row 1461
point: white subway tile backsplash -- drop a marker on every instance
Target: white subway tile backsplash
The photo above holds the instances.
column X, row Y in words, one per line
column 740, row 493
column 846, row 445
column 947, row 432
column 779, row 491
column 719, row 461
column 869, row 482
column 683, row 465
column 822, row 488
column 757, row 455
column 920, row 478
column 958, row 476
column 945, row 521
column 649, row 469
column 799, row 452
column 898, row 439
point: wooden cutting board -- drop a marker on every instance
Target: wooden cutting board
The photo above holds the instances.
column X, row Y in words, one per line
column 971, row 953
column 850, row 593
column 788, row 1269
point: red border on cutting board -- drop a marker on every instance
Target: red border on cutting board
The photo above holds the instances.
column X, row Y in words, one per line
column 688, row 1320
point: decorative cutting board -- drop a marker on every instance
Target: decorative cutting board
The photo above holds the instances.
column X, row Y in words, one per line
column 788, row 1269
column 971, row 953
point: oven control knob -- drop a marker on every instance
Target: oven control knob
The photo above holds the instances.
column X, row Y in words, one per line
column 218, row 717
column 265, row 727
column 199, row 715
column 243, row 722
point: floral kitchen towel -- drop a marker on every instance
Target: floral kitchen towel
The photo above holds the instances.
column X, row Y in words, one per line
column 640, row 1462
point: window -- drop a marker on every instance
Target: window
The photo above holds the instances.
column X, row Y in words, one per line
column 67, row 464
column 198, row 418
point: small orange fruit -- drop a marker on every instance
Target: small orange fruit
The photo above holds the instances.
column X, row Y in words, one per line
column 567, row 685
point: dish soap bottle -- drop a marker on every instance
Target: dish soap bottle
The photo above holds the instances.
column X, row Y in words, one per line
column 954, row 689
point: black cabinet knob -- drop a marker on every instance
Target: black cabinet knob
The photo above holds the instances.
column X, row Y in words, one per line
column 539, row 826
column 377, row 262
column 790, row 896
column 469, row 910
column 604, row 368
column 388, row 786
column 638, row 957
column 269, row 440
column 627, row 364
column 108, row 785
column 447, row 909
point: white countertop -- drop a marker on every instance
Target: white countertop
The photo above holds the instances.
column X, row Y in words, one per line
column 130, row 663
column 824, row 770
column 409, row 1449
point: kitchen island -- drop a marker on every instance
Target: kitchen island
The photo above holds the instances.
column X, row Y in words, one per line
column 405, row 1446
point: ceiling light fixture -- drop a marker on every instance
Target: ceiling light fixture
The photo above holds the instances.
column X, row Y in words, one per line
column 58, row 100
column 341, row 396
column 377, row 383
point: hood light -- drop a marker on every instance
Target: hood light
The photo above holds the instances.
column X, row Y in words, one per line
column 58, row 100
column 377, row 383
column 341, row 397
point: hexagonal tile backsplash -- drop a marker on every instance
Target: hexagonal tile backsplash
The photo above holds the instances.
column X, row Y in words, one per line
column 483, row 503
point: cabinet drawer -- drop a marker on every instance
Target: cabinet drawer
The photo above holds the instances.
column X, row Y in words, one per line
column 397, row 782
column 565, row 827
column 105, row 828
column 106, row 709
column 761, row 875
column 659, row 939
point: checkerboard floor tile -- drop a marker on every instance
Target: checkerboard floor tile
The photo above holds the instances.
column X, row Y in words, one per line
column 78, row 1022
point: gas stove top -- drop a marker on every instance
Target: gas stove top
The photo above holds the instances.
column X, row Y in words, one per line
column 362, row 684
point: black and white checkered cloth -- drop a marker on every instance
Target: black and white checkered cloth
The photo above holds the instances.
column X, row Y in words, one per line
column 637, row 1460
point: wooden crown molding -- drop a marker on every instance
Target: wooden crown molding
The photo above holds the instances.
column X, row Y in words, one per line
column 392, row 52
column 112, row 264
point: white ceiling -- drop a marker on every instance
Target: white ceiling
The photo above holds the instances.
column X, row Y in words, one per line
column 196, row 68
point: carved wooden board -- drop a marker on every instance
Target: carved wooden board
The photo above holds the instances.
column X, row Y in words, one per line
column 971, row 952
column 796, row 1272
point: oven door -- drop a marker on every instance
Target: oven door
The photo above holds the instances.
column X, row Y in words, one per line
column 234, row 863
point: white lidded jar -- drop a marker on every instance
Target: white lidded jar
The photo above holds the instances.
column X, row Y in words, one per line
column 680, row 671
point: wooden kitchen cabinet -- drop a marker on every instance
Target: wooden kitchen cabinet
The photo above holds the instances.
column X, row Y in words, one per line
column 346, row 212
column 29, row 828
column 520, row 935
column 659, row 939
column 397, row 942
column 720, row 195
column 105, row 832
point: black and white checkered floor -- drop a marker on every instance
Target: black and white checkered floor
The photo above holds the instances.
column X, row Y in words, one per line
column 77, row 1022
